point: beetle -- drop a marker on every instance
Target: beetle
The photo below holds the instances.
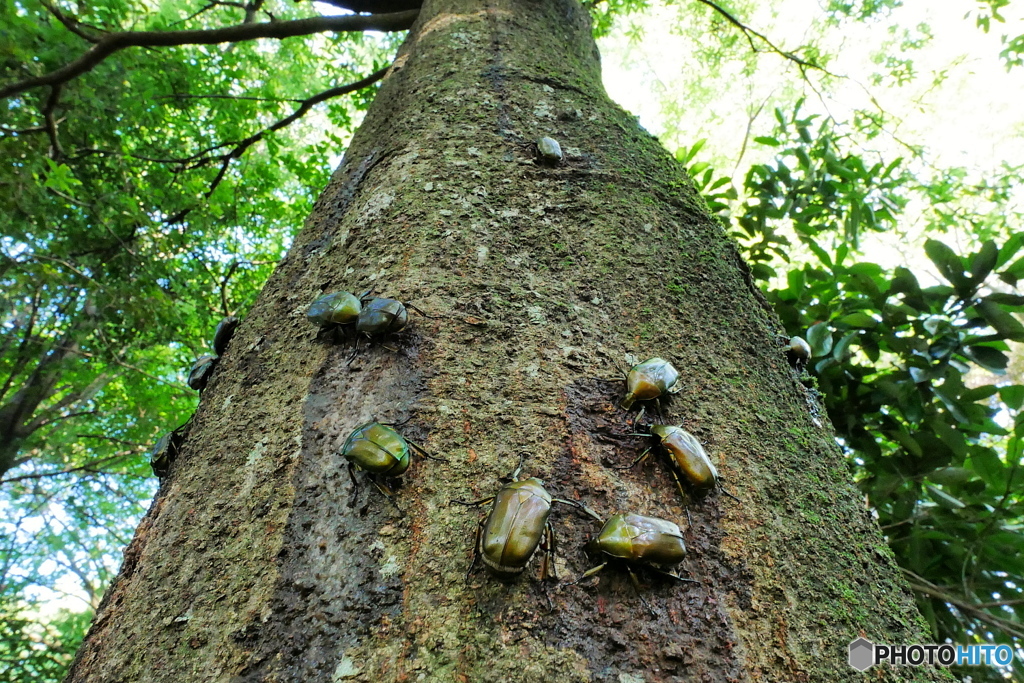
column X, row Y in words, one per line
column 549, row 151
column 648, row 380
column 201, row 372
column 381, row 451
column 223, row 334
column 516, row 527
column 334, row 309
column 166, row 450
column 798, row 352
column 380, row 315
column 687, row 459
column 637, row 540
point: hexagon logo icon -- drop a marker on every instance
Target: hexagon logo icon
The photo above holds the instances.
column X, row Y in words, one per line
column 862, row 654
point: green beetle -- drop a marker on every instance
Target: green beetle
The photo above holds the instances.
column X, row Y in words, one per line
column 516, row 527
column 379, row 316
column 380, row 451
column 201, row 372
column 223, row 334
column 333, row 309
column 651, row 379
column 687, row 459
column 637, row 540
column 162, row 455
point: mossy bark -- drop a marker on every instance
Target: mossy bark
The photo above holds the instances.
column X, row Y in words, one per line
column 253, row 565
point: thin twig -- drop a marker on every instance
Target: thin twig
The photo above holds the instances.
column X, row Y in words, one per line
column 306, row 105
column 115, row 42
column 87, row 467
column 749, row 32
column 70, row 24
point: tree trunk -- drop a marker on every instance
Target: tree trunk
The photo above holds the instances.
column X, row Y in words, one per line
column 252, row 565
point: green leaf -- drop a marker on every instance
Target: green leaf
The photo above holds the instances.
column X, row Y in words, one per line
column 1012, row 396
column 944, row 499
column 858, row 319
column 819, row 336
column 988, row 358
column 948, row 263
column 986, row 463
column 1001, row 321
column 983, row 262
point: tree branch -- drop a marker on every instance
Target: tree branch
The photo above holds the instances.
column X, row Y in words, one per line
column 114, row 42
column 749, row 32
column 306, row 105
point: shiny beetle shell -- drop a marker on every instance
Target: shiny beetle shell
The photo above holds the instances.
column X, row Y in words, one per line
column 378, row 449
column 161, row 455
column 688, row 456
column 515, row 527
column 223, row 334
column 549, row 150
column 639, row 539
column 201, row 372
column 647, row 380
column 380, row 316
column 334, row 308
column 798, row 352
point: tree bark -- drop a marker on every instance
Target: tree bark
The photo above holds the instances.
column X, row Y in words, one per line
column 251, row 565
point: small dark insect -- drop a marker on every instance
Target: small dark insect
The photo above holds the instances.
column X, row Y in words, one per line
column 201, row 372
column 223, row 334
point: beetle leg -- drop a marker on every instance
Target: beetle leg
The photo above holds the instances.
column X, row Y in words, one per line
column 679, row 483
column 355, row 352
column 475, row 503
column 408, row 305
column 547, row 565
column 673, row 575
column 640, row 415
column 590, row 572
column 723, row 490
column 643, row 456
column 355, row 485
column 518, row 470
column 476, row 548
column 422, row 452
column 636, row 585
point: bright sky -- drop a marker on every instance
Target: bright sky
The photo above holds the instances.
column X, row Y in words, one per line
column 974, row 117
